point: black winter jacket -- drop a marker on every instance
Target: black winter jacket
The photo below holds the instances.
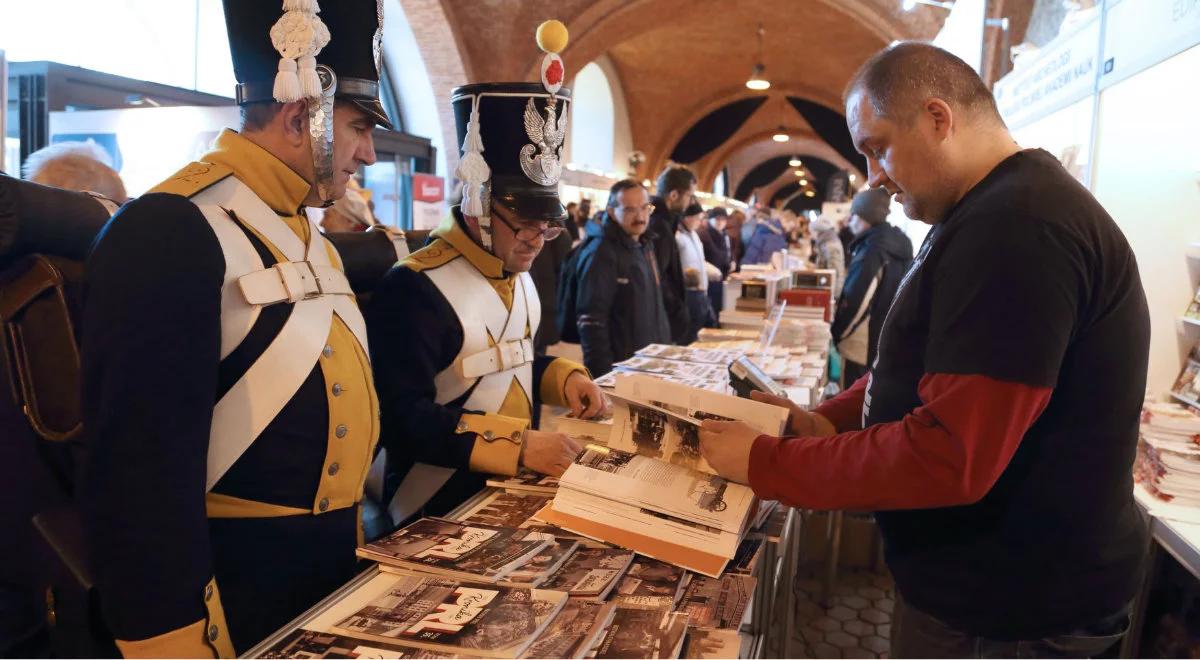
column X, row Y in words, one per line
column 619, row 302
column 717, row 248
column 882, row 251
column 661, row 234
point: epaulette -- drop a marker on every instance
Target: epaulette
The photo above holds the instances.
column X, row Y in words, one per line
column 193, row 179
column 437, row 253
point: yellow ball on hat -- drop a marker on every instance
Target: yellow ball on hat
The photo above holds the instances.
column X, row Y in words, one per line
column 552, row 36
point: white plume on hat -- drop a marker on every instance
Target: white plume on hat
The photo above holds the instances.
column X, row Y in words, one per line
column 298, row 35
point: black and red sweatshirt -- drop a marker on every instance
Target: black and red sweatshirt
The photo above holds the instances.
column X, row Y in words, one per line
column 995, row 433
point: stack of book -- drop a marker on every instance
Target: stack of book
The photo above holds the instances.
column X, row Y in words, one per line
column 1187, row 387
column 1168, row 459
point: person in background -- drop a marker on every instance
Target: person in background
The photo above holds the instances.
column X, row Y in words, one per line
column 583, row 215
column 995, row 434
column 879, row 257
column 546, row 271
column 827, row 251
column 571, row 223
column 846, row 236
column 619, row 302
column 770, row 236
column 733, row 230
column 695, row 271
column 676, row 188
column 348, row 214
column 80, row 166
column 718, row 251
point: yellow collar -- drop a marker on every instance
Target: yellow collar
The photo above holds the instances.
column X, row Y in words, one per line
column 451, row 231
column 273, row 181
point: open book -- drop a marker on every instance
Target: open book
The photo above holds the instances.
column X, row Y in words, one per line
column 678, row 515
column 662, row 420
column 448, row 616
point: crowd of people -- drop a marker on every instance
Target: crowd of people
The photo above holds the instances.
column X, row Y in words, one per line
column 652, row 268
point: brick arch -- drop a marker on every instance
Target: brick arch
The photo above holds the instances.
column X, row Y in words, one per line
column 439, row 40
column 802, row 142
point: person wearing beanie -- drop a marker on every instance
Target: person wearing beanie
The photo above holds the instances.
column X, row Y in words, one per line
column 879, row 256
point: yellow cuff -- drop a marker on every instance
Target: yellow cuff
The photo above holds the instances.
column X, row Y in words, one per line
column 497, row 447
column 208, row 638
column 554, row 381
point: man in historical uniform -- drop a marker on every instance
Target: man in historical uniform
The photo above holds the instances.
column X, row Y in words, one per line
column 452, row 326
column 227, row 391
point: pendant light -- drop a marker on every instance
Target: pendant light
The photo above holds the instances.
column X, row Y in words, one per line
column 758, row 81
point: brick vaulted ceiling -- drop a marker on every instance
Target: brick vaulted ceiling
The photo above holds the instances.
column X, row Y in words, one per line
column 679, row 60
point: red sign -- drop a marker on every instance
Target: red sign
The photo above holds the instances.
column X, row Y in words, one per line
column 428, row 188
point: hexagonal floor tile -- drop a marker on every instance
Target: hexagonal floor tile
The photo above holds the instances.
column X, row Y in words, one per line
column 811, row 634
column 858, row 628
column 872, row 593
column 876, row 644
column 884, row 631
column 855, row 602
column 827, row 624
column 857, row 652
column 842, row 613
column 841, row 640
column 885, row 605
column 873, row 615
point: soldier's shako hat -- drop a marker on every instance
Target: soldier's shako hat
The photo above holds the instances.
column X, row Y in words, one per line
column 522, row 143
column 353, row 52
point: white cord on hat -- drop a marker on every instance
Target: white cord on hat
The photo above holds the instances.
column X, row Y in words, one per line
column 298, row 35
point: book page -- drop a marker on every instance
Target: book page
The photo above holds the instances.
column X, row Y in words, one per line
column 648, row 432
column 659, row 486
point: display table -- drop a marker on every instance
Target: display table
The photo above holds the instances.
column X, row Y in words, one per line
column 775, row 573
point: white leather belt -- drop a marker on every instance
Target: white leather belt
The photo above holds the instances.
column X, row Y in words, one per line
column 293, row 281
column 501, row 357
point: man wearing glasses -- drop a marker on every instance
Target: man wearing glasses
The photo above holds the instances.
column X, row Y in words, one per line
column 620, row 298
column 452, row 326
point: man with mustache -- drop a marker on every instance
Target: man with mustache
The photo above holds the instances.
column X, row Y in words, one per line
column 620, row 296
column 995, row 432
column 452, row 326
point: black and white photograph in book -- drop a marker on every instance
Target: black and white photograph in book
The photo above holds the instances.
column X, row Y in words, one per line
column 303, row 643
column 638, row 633
column 1187, row 386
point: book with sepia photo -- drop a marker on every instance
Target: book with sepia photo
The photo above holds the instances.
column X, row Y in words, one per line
column 468, row 551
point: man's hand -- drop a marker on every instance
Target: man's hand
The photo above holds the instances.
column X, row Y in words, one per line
column 800, row 421
column 726, row 447
column 548, row 453
column 584, row 397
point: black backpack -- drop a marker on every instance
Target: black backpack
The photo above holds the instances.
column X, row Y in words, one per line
column 568, row 290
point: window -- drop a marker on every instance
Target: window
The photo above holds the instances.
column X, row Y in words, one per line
column 592, row 119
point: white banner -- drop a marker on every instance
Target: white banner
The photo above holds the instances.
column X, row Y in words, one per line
column 1063, row 72
column 1141, row 33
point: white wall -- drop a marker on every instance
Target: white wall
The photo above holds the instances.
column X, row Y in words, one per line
column 1147, row 175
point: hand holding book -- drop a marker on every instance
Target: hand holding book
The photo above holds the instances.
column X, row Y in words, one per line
column 584, row 397
column 548, row 453
column 800, row 421
column 726, row 446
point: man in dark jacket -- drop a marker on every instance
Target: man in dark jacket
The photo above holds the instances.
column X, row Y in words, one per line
column 676, row 187
column 718, row 252
column 880, row 255
column 547, row 267
column 619, row 301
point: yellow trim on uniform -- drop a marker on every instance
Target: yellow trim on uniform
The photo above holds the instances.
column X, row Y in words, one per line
column 207, row 638
column 516, row 403
column 192, row 179
column 228, row 506
column 349, row 388
column 554, row 381
column 437, row 253
column 497, row 447
column 453, row 233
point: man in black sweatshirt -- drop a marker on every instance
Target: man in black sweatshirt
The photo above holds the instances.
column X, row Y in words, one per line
column 676, row 187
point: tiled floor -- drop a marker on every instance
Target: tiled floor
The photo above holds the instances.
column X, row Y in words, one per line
column 857, row 624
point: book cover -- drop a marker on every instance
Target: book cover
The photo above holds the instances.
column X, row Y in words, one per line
column 1187, row 386
column 472, row 551
column 748, row 553
column 718, row 602
column 590, row 572
column 542, row 565
column 638, row 633
column 576, row 629
column 650, row 583
column 455, row 617
column 689, row 354
column 301, row 643
column 505, row 509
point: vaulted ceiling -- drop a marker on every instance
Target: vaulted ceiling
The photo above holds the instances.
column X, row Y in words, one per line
column 682, row 65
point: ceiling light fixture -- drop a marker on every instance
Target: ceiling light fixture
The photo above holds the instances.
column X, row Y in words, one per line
column 810, row 194
column 910, row 5
column 781, row 135
column 795, row 161
column 799, row 173
column 758, row 81
column 804, row 182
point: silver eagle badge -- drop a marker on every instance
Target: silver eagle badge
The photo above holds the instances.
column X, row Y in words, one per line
column 547, row 136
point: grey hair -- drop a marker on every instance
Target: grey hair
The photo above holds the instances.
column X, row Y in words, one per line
column 83, row 166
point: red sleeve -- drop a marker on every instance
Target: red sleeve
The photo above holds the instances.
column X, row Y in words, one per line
column 948, row 452
column 845, row 409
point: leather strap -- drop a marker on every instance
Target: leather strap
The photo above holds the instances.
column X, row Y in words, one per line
column 501, row 357
column 293, row 281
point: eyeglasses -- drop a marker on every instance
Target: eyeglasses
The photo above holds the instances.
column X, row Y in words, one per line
column 634, row 210
column 529, row 234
